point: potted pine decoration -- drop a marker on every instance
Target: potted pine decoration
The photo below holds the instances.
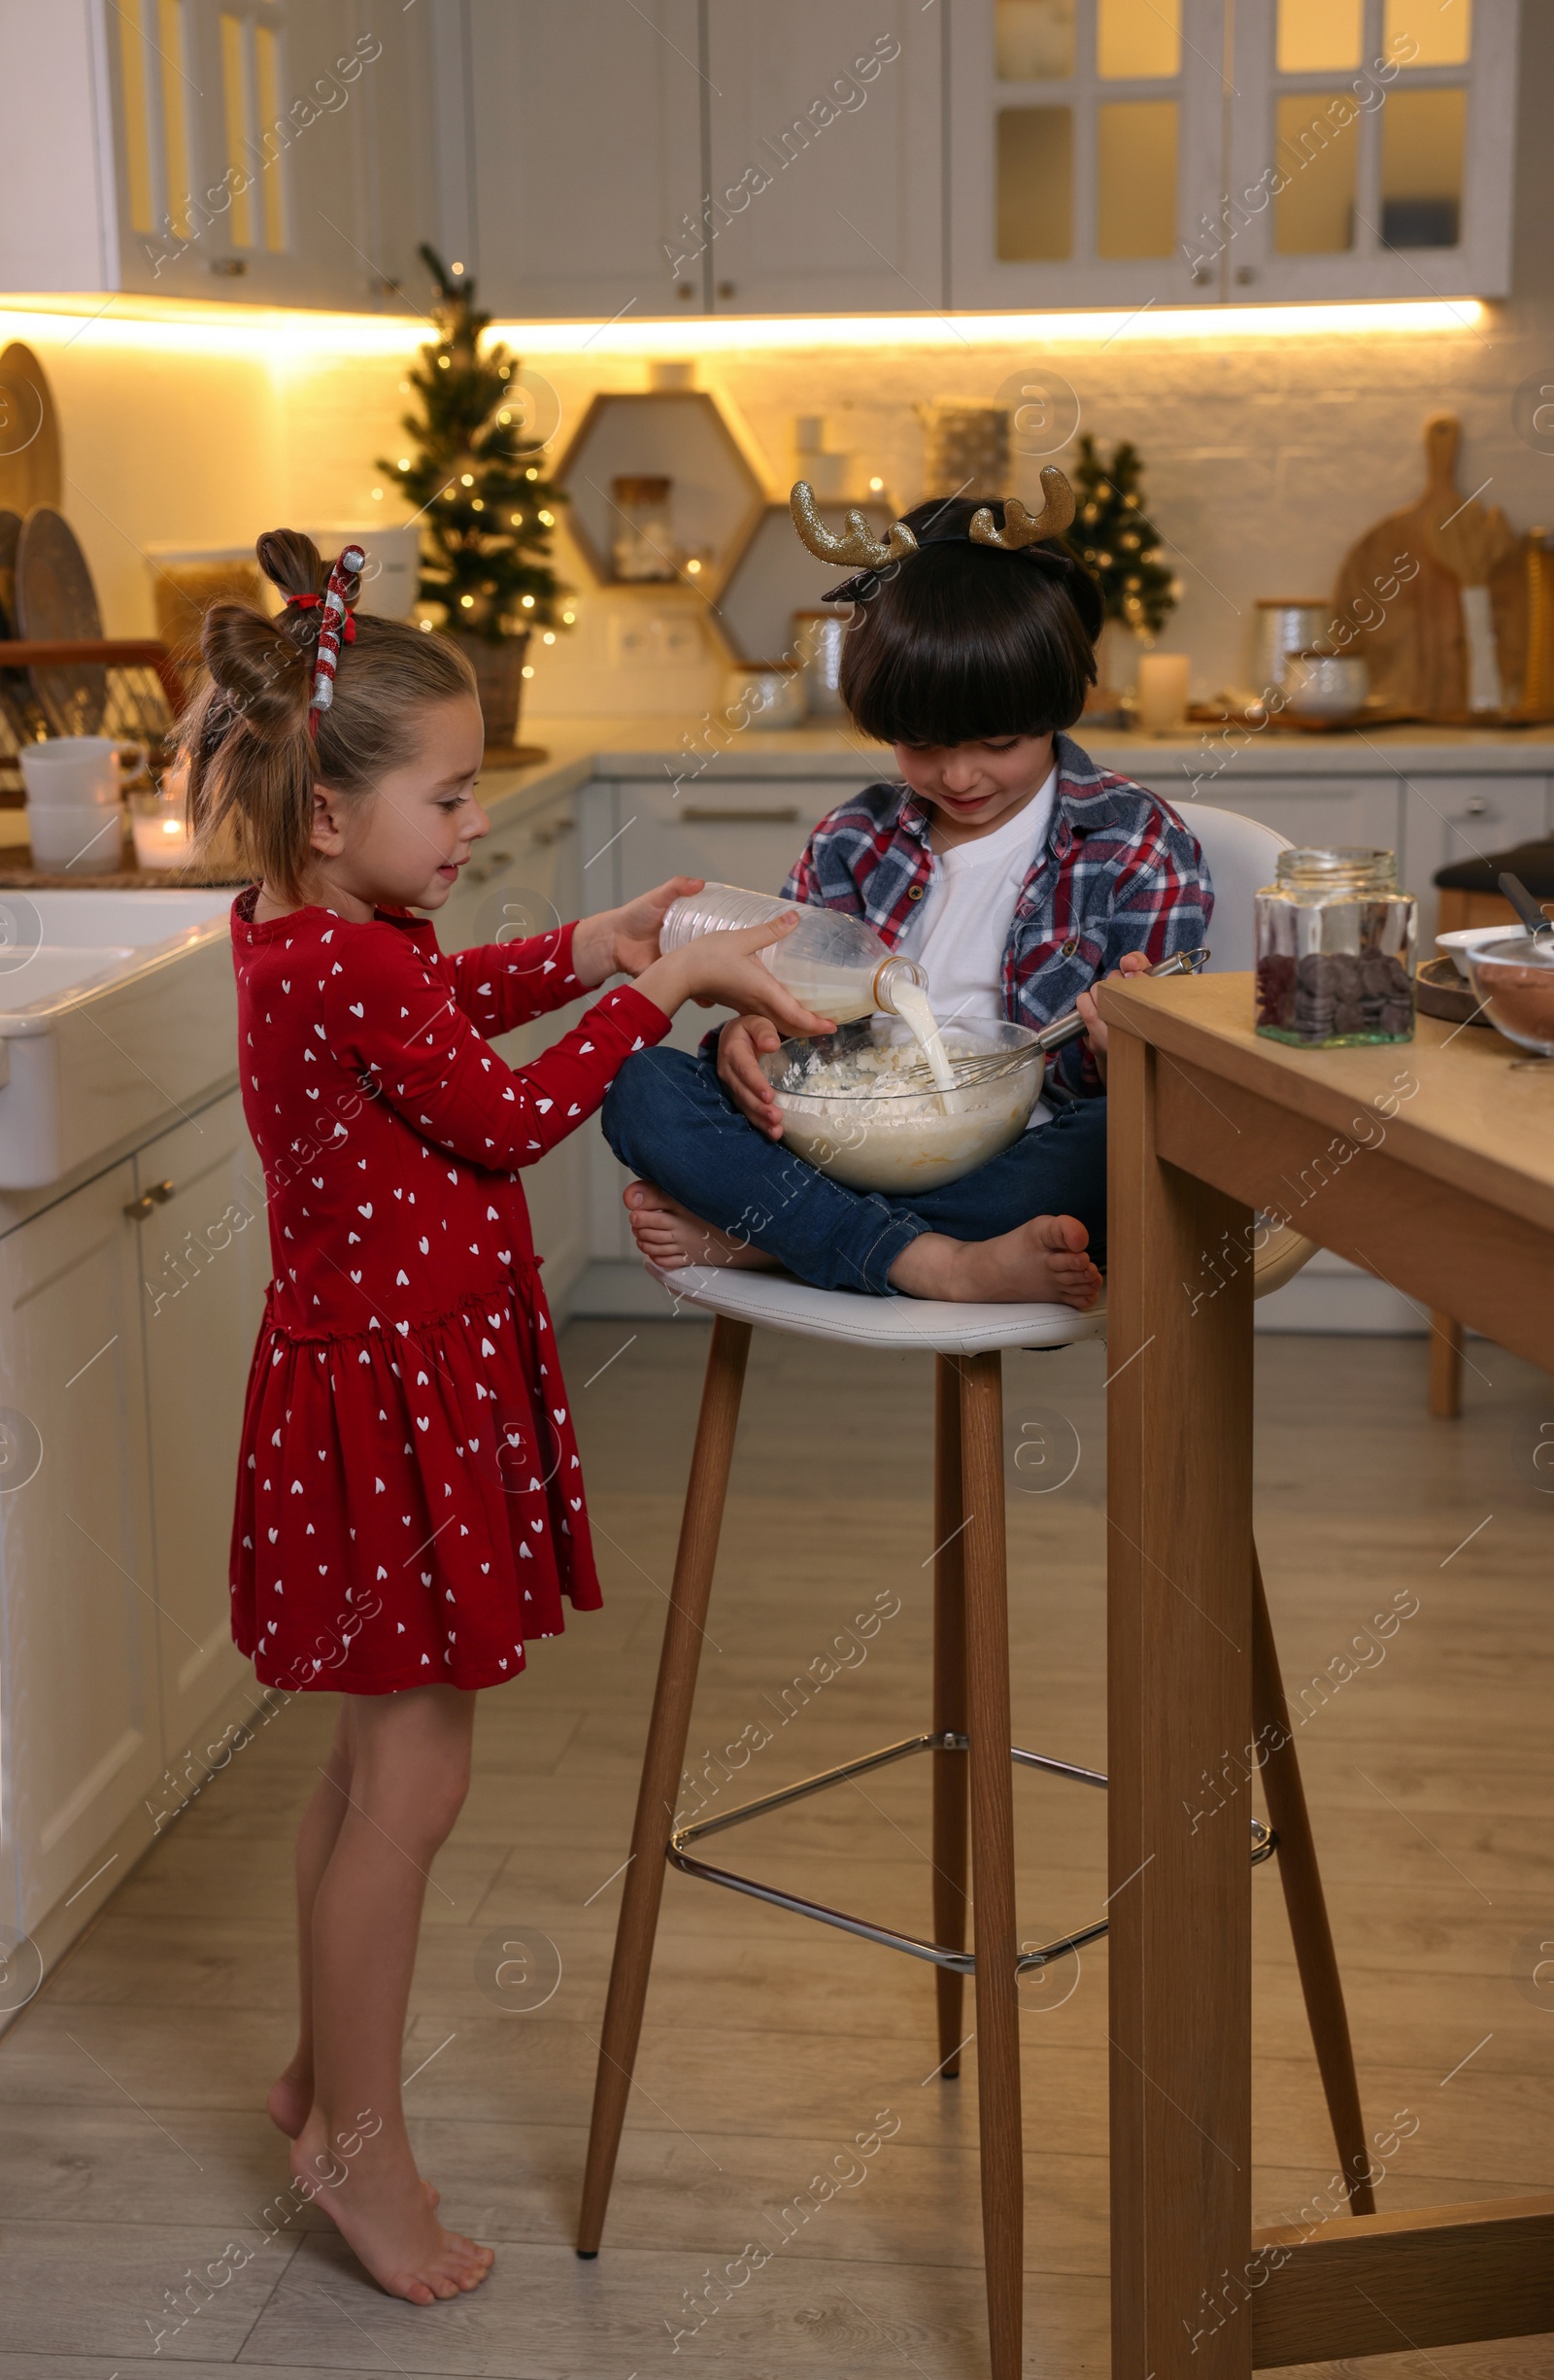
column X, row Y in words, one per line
column 1114, row 538
column 474, row 476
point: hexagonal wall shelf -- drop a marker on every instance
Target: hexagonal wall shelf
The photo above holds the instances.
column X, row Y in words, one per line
column 676, row 434
column 775, row 575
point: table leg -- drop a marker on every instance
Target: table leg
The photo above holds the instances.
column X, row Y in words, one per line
column 949, row 1707
column 1180, row 1658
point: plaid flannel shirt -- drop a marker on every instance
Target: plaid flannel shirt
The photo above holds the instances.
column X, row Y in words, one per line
column 1118, row 871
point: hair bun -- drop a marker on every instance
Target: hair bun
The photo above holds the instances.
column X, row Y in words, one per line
column 292, row 562
column 263, row 673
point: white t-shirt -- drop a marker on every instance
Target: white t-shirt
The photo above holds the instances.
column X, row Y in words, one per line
column 961, row 927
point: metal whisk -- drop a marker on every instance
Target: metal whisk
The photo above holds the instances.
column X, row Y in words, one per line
column 978, row 1068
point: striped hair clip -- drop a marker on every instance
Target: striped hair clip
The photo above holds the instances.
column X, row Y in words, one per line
column 337, row 627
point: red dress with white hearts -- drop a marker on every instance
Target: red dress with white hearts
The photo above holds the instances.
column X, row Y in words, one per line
column 410, row 1499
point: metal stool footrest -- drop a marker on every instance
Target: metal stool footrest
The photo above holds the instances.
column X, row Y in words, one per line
column 961, row 1962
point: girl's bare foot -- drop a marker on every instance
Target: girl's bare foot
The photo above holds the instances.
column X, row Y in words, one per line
column 1042, row 1262
column 290, row 2103
column 670, row 1236
column 290, row 2100
column 381, row 2208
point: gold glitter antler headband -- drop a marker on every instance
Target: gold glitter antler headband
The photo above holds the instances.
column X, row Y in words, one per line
column 858, row 545
column 1021, row 528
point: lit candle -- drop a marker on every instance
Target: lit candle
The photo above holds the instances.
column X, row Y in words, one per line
column 1161, row 696
column 161, row 838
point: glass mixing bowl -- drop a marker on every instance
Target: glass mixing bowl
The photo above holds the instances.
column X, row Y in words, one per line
column 877, row 1132
column 1515, row 982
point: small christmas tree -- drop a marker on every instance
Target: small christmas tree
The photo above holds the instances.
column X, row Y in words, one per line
column 1112, row 536
column 487, row 509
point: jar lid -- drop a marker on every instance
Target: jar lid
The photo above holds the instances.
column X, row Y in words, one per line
column 1344, row 865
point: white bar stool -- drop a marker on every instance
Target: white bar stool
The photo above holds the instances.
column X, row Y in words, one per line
column 969, row 1739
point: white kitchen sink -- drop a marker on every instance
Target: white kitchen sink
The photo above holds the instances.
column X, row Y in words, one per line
column 116, row 1009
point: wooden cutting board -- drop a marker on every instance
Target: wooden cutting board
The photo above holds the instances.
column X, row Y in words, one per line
column 31, row 471
column 1400, row 587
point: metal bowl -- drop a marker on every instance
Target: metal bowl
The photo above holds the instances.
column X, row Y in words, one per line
column 905, row 1137
column 1515, row 982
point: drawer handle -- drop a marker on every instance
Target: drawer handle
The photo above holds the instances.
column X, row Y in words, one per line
column 157, row 1196
column 481, row 871
column 694, row 816
column 544, row 836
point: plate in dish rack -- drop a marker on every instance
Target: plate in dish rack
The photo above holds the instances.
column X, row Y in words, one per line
column 56, row 600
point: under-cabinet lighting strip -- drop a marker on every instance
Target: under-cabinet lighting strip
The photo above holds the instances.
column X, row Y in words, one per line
column 282, row 335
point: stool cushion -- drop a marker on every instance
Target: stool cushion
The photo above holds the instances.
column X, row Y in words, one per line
column 938, row 1327
column 1533, row 863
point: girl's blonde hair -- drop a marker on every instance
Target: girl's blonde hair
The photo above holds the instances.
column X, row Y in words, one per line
column 252, row 760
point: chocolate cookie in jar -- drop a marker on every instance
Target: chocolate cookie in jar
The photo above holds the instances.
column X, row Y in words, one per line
column 1335, row 950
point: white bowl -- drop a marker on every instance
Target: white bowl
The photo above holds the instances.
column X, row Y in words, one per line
column 883, row 1137
column 1457, row 945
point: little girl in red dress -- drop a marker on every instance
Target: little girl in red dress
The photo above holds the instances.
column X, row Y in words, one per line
column 409, row 1501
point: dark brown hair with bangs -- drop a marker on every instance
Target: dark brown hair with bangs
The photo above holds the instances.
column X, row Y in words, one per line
column 957, row 642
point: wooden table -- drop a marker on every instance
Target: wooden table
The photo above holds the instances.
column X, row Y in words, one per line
column 1431, row 1164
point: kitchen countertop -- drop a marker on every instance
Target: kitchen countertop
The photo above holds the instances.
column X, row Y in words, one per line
column 682, row 750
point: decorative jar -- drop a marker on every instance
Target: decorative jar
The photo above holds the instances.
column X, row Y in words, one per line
column 1335, row 950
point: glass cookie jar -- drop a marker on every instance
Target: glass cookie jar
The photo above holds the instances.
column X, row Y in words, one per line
column 1335, row 950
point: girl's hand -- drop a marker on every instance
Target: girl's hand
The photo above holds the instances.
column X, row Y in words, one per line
column 624, row 941
column 1131, row 962
column 740, row 1072
column 724, row 970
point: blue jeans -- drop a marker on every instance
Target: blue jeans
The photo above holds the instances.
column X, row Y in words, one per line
column 668, row 1117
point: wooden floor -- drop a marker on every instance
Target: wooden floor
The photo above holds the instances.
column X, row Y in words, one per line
column 133, row 2145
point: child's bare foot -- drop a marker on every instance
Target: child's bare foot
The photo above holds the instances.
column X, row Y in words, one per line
column 290, row 2100
column 1042, row 1262
column 670, row 1236
column 381, row 2208
column 290, row 2103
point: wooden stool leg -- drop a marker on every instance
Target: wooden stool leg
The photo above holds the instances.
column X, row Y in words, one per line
column 949, row 1779
column 1445, row 1367
column 987, row 1627
column 663, row 1764
column 1307, row 1910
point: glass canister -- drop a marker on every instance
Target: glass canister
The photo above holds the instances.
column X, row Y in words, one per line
column 1335, row 950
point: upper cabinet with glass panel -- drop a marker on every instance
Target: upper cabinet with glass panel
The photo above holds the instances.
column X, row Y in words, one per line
column 1370, row 149
column 1085, row 145
column 1173, row 152
column 264, row 150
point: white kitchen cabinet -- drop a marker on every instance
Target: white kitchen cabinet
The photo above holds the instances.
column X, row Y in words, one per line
column 1317, row 810
column 1370, row 151
column 82, row 1721
column 204, row 1262
column 584, row 152
column 1084, row 142
column 1447, row 820
column 257, row 150
column 524, row 879
column 822, row 183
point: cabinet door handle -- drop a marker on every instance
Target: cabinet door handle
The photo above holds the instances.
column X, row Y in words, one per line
column 692, row 817
column 544, row 836
column 149, row 1201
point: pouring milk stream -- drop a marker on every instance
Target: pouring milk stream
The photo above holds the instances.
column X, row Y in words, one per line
column 836, row 964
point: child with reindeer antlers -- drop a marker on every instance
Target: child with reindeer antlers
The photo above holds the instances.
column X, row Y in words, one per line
column 1000, row 858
